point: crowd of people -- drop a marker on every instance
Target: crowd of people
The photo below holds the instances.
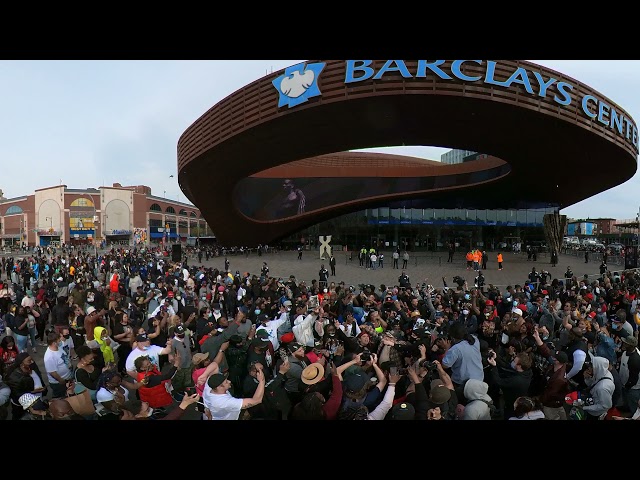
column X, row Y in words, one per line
column 132, row 335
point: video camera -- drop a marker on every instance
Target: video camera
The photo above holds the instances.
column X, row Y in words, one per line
column 429, row 365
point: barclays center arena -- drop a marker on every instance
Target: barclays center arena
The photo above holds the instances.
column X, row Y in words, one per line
column 287, row 152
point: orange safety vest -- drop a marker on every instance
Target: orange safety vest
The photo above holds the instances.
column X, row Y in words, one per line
column 476, row 257
column 469, row 256
column 499, row 258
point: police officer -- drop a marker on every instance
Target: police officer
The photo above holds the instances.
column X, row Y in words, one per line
column 568, row 275
column 403, row 280
column 480, row 281
column 324, row 276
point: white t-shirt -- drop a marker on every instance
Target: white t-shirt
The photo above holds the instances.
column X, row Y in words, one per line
column 104, row 395
column 57, row 361
column 153, row 353
column 36, row 383
column 67, row 345
column 222, row 407
column 272, row 329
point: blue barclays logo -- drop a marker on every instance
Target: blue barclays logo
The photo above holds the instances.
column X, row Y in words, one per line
column 298, row 84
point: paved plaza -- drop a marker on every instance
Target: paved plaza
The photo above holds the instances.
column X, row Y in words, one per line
column 422, row 267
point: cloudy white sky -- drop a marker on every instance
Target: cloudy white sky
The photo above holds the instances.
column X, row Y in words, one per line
column 92, row 123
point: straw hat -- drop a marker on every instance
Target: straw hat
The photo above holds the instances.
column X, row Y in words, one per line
column 313, row 374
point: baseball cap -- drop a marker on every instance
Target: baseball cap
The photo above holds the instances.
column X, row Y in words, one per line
column 439, row 393
column 403, row 411
column 143, row 337
column 179, row 330
column 262, row 333
column 292, row 347
column 27, row 399
column 355, row 381
column 562, row 357
column 287, row 303
column 216, row 380
column 199, row 357
column 517, row 311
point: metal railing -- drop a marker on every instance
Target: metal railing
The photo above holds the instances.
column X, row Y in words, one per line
column 597, row 257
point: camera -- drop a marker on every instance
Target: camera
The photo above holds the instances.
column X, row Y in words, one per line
column 429, row 365
column 365, row 356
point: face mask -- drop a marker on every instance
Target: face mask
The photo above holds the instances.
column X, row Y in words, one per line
column 513, row 364
column 67, row 336
column 9, row 347
column 146, row 347
column 150, row 412
column 209, row 315
column 465, row 312
column 257, row 311
column 180, row 336
column 614, row 325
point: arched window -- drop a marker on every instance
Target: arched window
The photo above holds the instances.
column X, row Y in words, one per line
column 182, row 212
column 193, row 215
column 155, row 208
column 170, row 210
column 14, row 210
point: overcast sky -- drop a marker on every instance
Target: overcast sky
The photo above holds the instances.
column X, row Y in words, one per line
column 92, row 123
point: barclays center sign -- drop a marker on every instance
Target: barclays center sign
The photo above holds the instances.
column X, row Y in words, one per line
column 299, row 83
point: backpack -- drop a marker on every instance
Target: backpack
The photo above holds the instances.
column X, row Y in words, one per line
column 492, row 408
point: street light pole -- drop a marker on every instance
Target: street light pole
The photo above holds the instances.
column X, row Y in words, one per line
column 95, row 223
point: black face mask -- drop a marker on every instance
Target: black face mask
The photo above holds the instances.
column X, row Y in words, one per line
column 67, row 336
column 180, row 336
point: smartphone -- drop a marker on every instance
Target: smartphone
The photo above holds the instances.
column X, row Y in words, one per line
column 313, row 302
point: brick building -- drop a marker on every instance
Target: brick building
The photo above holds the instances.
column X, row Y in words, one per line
column 121, row 215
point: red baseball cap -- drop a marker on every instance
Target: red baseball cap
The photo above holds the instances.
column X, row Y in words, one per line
column 287, row 338
column 522, row 307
